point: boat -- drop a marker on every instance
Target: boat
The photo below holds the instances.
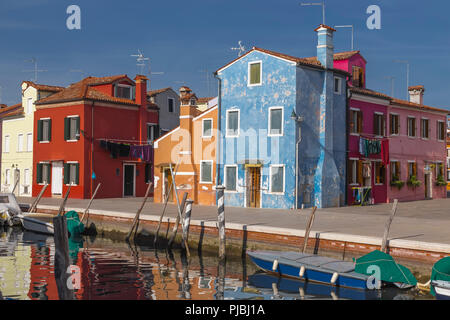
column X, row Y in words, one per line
column 36, row 225
column 440, row 279
column 310, row 267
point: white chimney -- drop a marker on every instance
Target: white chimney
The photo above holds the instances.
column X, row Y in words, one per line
column 416, row 94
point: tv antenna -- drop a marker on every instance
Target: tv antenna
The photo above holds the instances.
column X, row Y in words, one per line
column 348, row 26
column 207, row 76
column 35, row 70
column 407, row 76
column 317, row 4
column 392, row 84
column 140, row 60
column 240, row 49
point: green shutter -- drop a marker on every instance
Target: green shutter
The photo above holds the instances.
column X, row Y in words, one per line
column 49, row 129
column 48, row 173
column 39, row 172
column 66, row 129
column 77, row 173
column 255, row 73
column 147, row 173
column 78, row 128
column 66, row 173
column 39, row 130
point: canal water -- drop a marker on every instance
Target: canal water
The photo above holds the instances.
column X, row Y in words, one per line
column 106, row 269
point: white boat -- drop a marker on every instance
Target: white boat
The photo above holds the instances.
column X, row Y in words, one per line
column 442, row 289
column 11, row 213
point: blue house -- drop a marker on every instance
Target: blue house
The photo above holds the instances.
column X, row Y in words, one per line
column 283, row 129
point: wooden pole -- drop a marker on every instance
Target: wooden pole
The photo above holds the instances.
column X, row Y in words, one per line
column 308, row 228
column 90, row 202
column 63, row 204
column 186, row 224
column 388, row 226
column 62, row 261
column 164, row 209
column 15, row 186
column 136, row 217
column 36, row 201
column 221, row 220
column 177, row 222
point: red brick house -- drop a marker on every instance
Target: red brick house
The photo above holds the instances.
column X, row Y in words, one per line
column 95, row 131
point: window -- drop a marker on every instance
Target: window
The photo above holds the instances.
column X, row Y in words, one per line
column 7, row 143
column 439, row 169
column 20, row 143
column 123, row 91
column 358, row 77
column 71, row 173
column 26, row 173
column 395, row 124
column 192, row 102
column 275, row 121
column 355, row 121
column 44, row 130
column 354, row 172
column 378, row 124
column 72, row 128
column 337, row 85
column 277, row 178
column 43, row 173
column 424, row 132
column 206, row 171
column 440, row 130
column 207, row 128
column 254, row 73
column 29, row 142
column 29, row 105
column 232, row 123
column 170, row 102
column 411, row 127
column 152, row 131
column 412, row 169
column 395, row 171
column 230, row 178
column 7, row 176
column 380, row 173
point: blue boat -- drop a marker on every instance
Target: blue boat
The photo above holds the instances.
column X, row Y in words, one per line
column 311, row 267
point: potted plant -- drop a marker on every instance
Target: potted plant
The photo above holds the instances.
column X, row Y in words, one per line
column 440, row 181
column 396, row 182
column 413, row 182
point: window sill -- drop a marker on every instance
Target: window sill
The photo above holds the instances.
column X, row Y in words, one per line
column 275, row 135
column 72, row 140
column 254, row 84
column 231, row 191
column 202, row 182
column 206, row 137
column 44, row 141
column 355, row 134
column 73, row 185
column 275, row 193
column 232, row 136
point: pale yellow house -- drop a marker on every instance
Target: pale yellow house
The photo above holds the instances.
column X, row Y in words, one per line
column 17, row 139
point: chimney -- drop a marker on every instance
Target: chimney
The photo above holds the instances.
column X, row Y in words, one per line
column 141, row 99
column 325, row 48
column 184, row 91
column 416, row 94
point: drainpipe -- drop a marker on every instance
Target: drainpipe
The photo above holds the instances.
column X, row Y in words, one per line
column 347, row 132
column 298, row 120
column 92, row 147
column 218, row 136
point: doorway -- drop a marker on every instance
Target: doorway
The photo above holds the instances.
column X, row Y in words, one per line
column 57, row 178
column 428, row 186
column 253, row 186
column 129, row 180
column 167, row 176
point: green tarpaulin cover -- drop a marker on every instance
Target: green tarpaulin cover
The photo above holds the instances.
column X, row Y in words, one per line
column 74, row 226
column 440, row 271
column 390, row 271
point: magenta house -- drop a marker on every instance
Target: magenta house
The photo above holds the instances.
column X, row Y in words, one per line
column 396, row 148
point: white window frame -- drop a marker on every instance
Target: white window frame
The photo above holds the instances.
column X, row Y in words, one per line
column 407, row 171
column 437, row 131
column 225, row 177
column 26, row 177
column 269, row 121
column 398, row 124
column 44, row 141
column 70, row 163
column 415, row 127
column 203, row 127
column 70, row 127
column 201, row 172
column 50, row 173
column 260, row 73
column 356, row 124
column 383, row 123
column 270, row 178
column 339, row 87
column 29, row 142
column 153, row 125
column 421, row 128
column 19, row 146
column 238, row 126
column 7, row 145
column 7, row 177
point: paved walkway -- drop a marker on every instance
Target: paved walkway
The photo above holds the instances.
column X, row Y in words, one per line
column 415, row 223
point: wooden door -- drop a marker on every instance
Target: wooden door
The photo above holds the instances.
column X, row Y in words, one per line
column 254, row 175
column 57, row 177
column 128, row 180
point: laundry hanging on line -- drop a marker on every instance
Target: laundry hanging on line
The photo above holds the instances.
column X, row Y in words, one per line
column 369, row 146
column 144, row 152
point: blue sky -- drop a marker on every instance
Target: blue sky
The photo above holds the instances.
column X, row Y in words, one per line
column 184, row 38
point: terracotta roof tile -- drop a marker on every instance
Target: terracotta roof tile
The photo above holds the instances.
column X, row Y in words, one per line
column 204, row 100
column 13, row 110
column 44, row 87
column 324, row 26
column 416, row 88
column 155, row 92
column 416, row 105
column 368, row 92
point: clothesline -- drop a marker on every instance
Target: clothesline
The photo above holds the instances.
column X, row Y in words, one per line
column 134, row 142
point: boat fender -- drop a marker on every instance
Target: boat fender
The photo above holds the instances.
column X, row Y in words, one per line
column 334, row 277
column 302, row 271
column 275, row 265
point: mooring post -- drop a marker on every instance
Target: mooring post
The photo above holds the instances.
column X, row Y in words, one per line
column 308, row 228
column 187, row 222
column 63, row 203
column 136, row 217
column 178, row 219
column 221, row 220
column 62, row 261
column 89, row 204
column 388, row 226
column 36, row 201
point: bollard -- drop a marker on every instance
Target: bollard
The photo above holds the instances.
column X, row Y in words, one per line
column 221, row 220
column 187, row 222
column 62, row 260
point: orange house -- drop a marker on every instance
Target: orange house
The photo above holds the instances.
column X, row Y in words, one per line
column 191, row 151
